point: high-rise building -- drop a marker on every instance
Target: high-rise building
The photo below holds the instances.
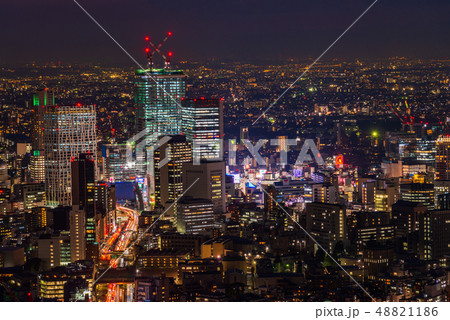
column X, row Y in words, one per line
column 41, row 100
column 68, row 131
column 77, row 234
column 84, row 196
column 434, row 235
column 202, row 123
column 418, row 192
column 443, row 158
column 326, row 223
column 158, row 94
column 194, row 216
column 210, row 184
column 169, row 178
column 116, row 166
column 37, row 166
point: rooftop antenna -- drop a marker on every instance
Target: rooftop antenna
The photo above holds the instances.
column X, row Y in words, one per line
column 156, row 48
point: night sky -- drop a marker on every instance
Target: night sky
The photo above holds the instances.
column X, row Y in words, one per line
column 57, row 30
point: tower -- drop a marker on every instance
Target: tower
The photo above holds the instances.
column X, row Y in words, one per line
column 83, row 199
column 443, row 158
column 169, row 177
column 41, row 100
column 202, row 123
column 68, row 131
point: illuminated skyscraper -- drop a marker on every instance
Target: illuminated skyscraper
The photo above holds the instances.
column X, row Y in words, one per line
column 443, row 158
column 37, row 166
column 169, row 178
column 158, row 94
column 84, row 196
column 41, row 100
column 202, row 123
column 210, row 184
column 68, row 131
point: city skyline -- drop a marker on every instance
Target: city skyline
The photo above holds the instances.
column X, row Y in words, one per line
column 195, row 166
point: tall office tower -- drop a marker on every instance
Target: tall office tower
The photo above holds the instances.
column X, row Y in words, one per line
column 326, row 223
column 116, row 166
column 418, row 192
column 106, row 209
column 194, row 216
column 41, row 100
column 434, row 235
column 69, row 131
column 210, row 184
column 406, row 216
column 158, row 94
column 169, row 178
column 84, row 196
column 37, row 166
column 77, row 218
column 443, row 158
column 202, row 123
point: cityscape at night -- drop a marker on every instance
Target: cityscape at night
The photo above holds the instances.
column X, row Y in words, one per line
column 177, row 170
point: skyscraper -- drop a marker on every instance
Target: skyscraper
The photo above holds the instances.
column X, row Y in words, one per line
column 169, row 178
column 210, row 184
column 83, row 197
column 68, row 131
column 202, row 123
column 158, row 94
column 41, row 100
column 37, row 166
column 443, row 158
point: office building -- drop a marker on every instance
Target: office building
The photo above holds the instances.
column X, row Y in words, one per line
column 326, row 223
column 194, row 216
column 41, row 100
column 202, row 123
column 77, row 218
column 158, row 94
column 37, row 166
column 171, row 156
column 210, row 184
column 84, row 196
column 69, row 131
column 434, row 235
column 54, row 249
column 418, row 192
column 443, row 158
column 116, row 166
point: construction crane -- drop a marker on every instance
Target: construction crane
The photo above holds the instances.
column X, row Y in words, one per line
column 156, row 49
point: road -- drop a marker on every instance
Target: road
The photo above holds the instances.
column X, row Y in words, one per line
column 118, row 242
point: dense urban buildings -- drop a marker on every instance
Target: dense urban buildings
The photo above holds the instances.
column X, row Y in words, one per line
column 166, row 185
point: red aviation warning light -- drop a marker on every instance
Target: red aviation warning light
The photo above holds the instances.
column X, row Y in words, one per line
column 156, row 48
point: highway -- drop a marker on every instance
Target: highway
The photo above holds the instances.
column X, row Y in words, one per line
column 118, row 242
